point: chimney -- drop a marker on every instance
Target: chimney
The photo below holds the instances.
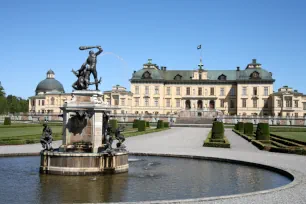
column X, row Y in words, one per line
column 253, row 61
column 165, row 68
column 238, row 69
column 134, row 71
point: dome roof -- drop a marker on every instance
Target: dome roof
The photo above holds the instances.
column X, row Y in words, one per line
column 49, row 85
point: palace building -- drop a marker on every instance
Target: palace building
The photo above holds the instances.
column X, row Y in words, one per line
column 232, row 92
column 158, row 90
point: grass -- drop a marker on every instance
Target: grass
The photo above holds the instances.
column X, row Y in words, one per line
column 300, row 136
column 208, row 143
column 26, row 135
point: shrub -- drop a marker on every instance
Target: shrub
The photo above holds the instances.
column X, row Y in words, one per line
column 209, row 142
column 236, row 127
column 217, row 130
column 160, row 124
column 147, row 124
column 166, row 124
column 141, row 125
column 7, row 121
column 263, row 131
column 240, row 126
column 248, row 128
column 113, row 124
column 135, row 124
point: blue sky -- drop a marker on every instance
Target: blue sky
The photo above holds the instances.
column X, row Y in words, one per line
column 40, row 35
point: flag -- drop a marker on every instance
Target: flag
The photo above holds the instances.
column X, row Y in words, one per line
column 199, row 47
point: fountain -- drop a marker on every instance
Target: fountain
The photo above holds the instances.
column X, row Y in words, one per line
column 86, row 149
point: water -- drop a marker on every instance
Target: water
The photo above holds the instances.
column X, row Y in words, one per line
column 149, row 178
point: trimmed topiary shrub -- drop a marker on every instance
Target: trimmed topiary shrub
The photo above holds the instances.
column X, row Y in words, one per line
column 7, row 121
column 113, row 124
column 236, row 127
column 240, row 126
column 141, row 125
column 160, row 124
column 166, row 124
column 248, row 129
column 263, row 131
column 147, row 124
column 217, row 130
column 135, row 124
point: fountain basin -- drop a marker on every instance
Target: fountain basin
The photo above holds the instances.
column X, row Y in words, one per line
column 77, row 163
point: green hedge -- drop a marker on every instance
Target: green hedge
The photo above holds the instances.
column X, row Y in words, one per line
column 236, row 127
column 217, row 130
column 7, row 121
column 147, row 124
column 113, row 124
column 210, row 142
column 263, row 131
column 135, row 124
column 160, row 124
column 141, row 125
column 248, row 129
column 166, row 124
column 240, row 126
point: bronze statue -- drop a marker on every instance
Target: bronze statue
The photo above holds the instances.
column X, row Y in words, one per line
column 91, row 63
column 46, row 138
column 120, row 137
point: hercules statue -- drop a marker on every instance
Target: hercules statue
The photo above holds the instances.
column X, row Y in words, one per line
column 88, row 68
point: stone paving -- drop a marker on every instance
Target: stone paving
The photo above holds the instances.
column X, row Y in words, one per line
column 189, row 141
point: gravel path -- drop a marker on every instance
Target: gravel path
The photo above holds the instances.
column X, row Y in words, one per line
column 189, row 141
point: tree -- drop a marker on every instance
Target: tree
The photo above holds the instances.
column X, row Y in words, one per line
column 2, row 92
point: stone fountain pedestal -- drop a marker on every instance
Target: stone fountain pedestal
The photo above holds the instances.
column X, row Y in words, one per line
column 82, row 150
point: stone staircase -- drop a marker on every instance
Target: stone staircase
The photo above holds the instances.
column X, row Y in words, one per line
column 194, row 120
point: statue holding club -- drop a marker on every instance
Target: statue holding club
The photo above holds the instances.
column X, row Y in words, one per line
column 88, row 68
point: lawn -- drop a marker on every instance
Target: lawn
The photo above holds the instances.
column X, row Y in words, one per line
column 301, row 136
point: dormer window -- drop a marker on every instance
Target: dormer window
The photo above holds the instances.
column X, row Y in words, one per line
column 146, row 75
column 255, row 75
column 178, row 77
column 222, row 77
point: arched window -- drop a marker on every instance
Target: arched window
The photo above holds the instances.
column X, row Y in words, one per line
column 146, row 75
column 255, row 75
column 178, row 77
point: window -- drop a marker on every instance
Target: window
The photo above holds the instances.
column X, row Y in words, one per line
column 244, row 91
column 200, row 91
column 146, row 102
column 168, row 90
column 108, row 101
column 188, row 91
column 52, row 101
column 200, row 76
column 232, row 105
column 136, row 89
column 279, row 103
column 222, row 103
column 147, row 90
column 244, row 103
column 156, row 90
column 136, row 102
column 296, row 115
column 232, row 92
column 296, row 103
column 42, row 102
column 116, row 102
column 168, row 102
column 221, row 91
column 123, row 101
column 266, row 104
column 304, row 106
column 266, row 91
column 178, row 103
column 156, row 102
column 39, row 102
column 178, row 91
column 288, row 114
column 255, row 91
column 255, row 103
column 212, row 91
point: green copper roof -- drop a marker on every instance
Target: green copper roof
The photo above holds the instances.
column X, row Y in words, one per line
column 157, row 74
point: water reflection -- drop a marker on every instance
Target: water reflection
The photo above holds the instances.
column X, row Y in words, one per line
column 149, row 178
